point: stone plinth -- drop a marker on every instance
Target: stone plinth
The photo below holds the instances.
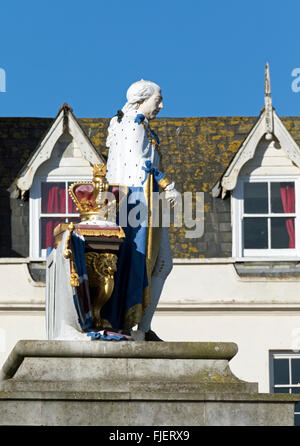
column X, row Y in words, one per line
column 132, row 384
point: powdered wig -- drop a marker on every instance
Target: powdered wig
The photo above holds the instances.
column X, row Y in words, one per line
column 137, row 93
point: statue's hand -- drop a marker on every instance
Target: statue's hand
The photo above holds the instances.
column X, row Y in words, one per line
column 172, row 195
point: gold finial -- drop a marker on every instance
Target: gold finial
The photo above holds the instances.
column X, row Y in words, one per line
column 99, row 170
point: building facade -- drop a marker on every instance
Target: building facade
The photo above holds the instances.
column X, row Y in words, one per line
column 237, row 281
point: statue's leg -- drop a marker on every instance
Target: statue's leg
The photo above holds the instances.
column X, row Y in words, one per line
column 162, row 269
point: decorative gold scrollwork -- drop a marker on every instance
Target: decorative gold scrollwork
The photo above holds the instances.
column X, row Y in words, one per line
column 101, row 268
column 74, row 278
column 67, row 250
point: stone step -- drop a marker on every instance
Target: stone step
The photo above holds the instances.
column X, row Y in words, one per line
column 132, row 383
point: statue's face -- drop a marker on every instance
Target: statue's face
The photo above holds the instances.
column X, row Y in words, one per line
column 151, row 106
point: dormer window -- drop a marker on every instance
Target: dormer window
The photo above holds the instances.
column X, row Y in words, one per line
column 269, row 215
column 50, row 205
column 265, row 217
column 64, row 156
column 56, row 207
column 263, row 179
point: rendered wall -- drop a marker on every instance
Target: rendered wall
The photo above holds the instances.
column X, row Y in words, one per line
column 200, row 302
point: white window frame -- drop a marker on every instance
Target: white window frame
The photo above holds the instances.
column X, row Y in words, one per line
column 35, row 252
column 283, row 355
column 238, row 251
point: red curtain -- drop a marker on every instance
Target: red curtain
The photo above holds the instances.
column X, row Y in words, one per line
column 55, row 203
column 287, row 192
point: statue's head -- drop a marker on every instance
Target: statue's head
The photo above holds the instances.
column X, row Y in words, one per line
column 142, row 96
column 145, row 96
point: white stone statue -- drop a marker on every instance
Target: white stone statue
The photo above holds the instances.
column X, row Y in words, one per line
column 145, row 258
column 132, row 144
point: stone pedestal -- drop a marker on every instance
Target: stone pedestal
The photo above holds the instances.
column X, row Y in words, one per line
column 97, row 383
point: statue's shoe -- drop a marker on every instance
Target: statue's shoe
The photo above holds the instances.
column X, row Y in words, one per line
column 151, row 336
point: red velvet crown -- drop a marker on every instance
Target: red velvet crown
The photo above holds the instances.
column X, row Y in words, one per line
column 91, row 198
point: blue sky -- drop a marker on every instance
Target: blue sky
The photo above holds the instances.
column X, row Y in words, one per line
column 208, row 57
